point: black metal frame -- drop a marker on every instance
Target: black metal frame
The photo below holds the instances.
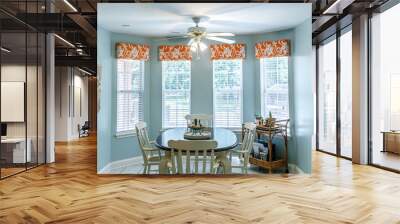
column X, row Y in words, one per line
column 44, row 76
column 369, row 88
column 338, row 98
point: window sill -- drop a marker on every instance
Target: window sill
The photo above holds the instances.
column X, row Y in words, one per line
column 125, row 135
column 235, row 130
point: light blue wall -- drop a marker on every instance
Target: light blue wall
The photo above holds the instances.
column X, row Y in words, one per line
column 201, row 92
column 303, row 91
column 104, row 57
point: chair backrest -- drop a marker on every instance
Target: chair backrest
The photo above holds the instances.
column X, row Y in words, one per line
column 141, row 131
column 86, row 125
column 249, row 136
column 143, row 137
column 205, row 119
column 200, row 150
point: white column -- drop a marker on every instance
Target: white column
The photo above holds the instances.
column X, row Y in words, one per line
column 50, row 91
column 50, row 100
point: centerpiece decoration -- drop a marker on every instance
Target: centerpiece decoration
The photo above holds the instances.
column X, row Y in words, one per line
column 269, row 122
column 197, row 131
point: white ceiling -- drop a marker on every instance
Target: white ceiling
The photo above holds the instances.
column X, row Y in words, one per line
column 161, row 19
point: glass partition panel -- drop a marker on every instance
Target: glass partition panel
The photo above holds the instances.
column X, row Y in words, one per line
column 31, row 98
column 346, row 94
column 14, row 153
column 385, row 89
column 41, row 98
column 327, row 97
column 23, row 89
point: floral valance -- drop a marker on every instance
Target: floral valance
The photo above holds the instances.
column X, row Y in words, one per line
column 133, row 51
column 272, row 48
column 227, row 51
column 174, row 52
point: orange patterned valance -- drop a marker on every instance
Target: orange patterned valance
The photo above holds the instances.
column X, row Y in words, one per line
column 133, row 51
column 174, row 53
column 227, row 51
column 272, row 48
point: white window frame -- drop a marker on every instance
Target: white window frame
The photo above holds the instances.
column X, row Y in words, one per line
column 239, row 128
column 262, row 74
column 130, row 132
column 162, row 92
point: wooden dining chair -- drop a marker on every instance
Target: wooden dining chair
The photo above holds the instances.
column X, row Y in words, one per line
column 196, row 153
column 205, row 119
column 244, row 149
column 151, row 154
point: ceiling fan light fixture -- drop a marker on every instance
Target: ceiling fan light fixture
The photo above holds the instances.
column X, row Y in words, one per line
column 193, row 47
column 202, row 46
column 198, row 34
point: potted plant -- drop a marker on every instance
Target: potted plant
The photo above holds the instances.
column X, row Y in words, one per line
column 258, row 119
column 270, row 121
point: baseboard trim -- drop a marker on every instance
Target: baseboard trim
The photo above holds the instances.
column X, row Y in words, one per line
column 119, row 164
column 293, row 168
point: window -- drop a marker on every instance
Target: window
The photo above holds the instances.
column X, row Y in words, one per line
column 275, row 87
column 175, row 93
column 346, row 94
column 227, row 93
column 130, row 87
column 385, row 88
column 327, row 97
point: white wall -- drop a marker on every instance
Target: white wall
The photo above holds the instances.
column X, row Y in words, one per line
column 69, row 112
column 34, row 125
column 17, row 73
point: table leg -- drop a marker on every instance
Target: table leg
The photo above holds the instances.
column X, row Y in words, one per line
column 270, row 145
column 164, row 163
column 226, row 163
column 285, row 145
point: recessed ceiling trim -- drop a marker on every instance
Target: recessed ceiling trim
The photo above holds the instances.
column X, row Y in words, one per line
column 64, row 40
column 158, row 20
column 70, row 6
column 338, row 6
column 5, row 50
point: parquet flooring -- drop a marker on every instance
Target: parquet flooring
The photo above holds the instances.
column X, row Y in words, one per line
column 70, row 191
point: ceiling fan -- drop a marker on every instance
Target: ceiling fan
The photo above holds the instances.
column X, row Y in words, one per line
column 197, row 33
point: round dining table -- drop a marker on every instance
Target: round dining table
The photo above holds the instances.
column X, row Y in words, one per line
column 225, row 139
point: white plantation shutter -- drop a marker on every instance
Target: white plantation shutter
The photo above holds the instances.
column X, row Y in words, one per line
column 130, row 89
column 175, row 93
column 227, row 93
column 275, row 87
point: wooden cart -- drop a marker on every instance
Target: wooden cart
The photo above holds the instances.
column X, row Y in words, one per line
column 274, row 131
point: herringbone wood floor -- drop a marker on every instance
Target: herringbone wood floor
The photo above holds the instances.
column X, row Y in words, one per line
column 70, row 191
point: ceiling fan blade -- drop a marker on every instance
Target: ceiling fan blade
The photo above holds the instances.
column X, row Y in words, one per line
column 174, row 37
column 220, row 39
column 220, row 34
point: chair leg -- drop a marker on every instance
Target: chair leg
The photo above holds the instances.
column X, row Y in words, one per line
column 145, row 168
column 245, row 163
column 148, row 168
column 221, row 166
